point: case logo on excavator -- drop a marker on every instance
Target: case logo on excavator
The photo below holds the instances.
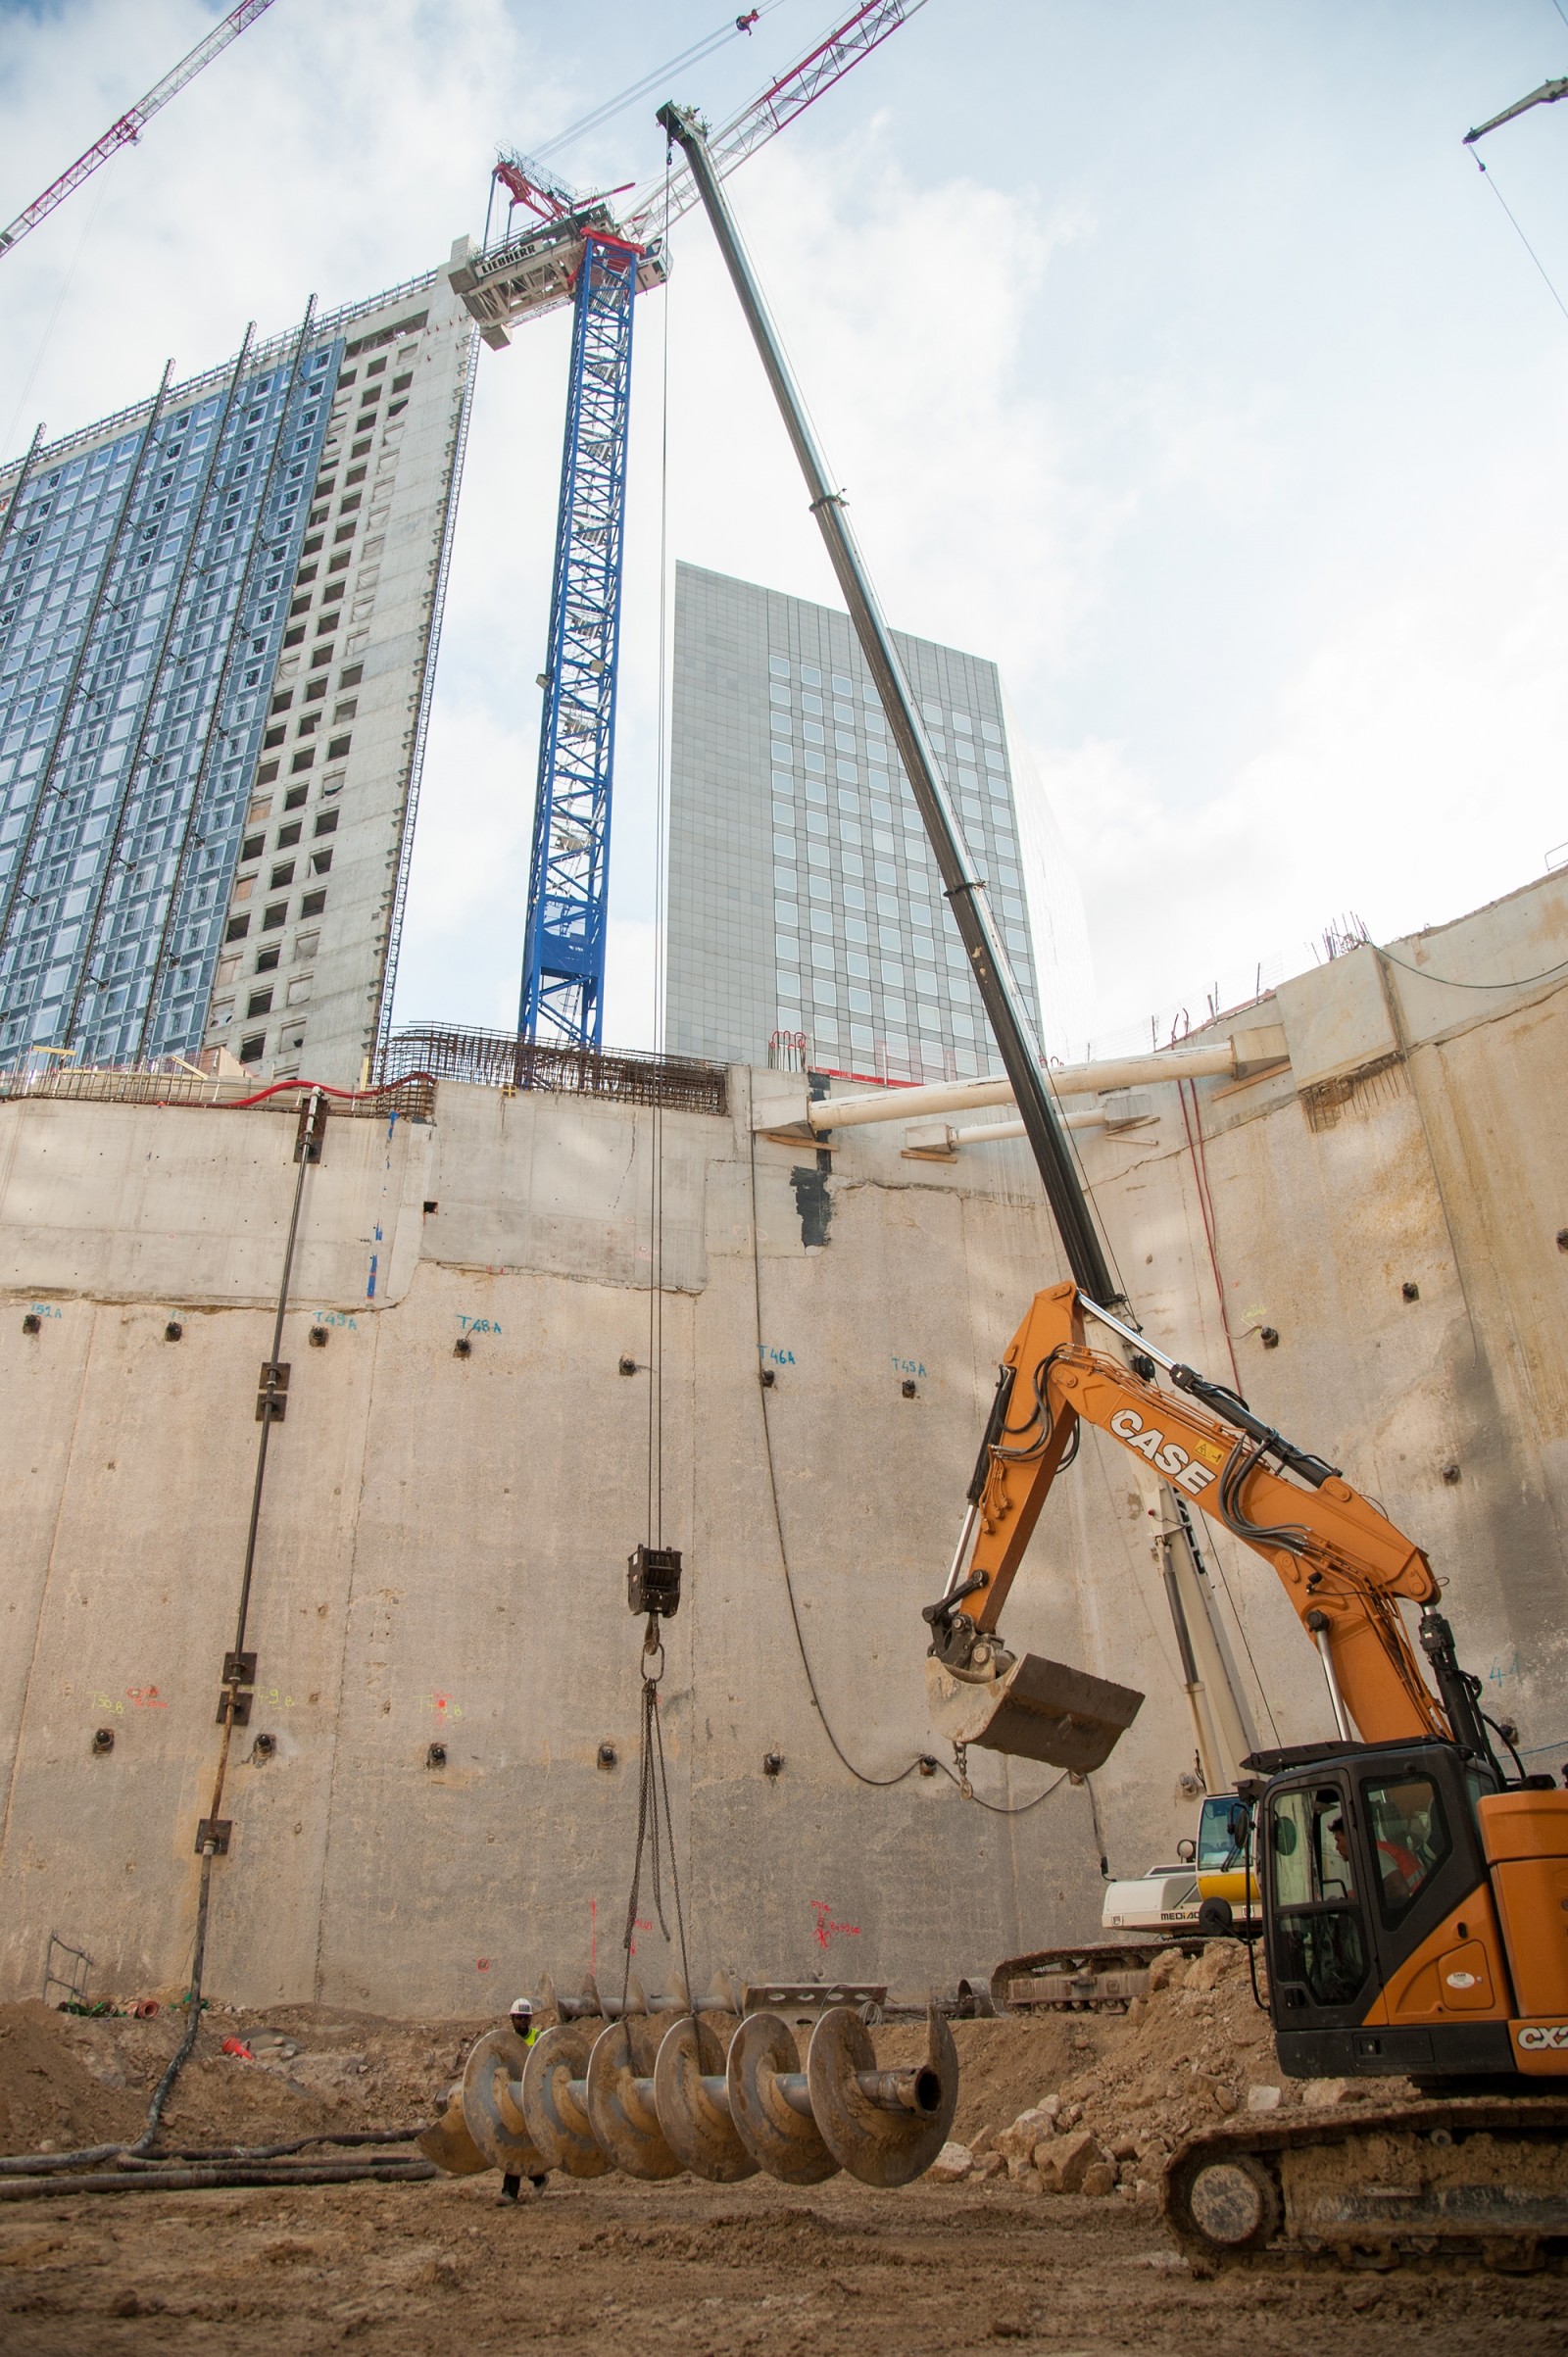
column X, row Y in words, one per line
column 1184, row 1471
column 1544, row 2036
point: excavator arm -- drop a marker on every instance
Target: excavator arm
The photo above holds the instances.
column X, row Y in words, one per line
column 1344, row 1567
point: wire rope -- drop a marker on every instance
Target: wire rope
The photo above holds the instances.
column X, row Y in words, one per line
column 1523, row 239
column 730, row 30
column 655, row 1286
column 1453, row 982
column 921, row 1758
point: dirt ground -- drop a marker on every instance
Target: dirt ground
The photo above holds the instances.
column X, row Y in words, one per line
column 755, row 2270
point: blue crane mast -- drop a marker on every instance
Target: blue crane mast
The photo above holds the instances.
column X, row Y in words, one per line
column 563, row 946
column 577, row 250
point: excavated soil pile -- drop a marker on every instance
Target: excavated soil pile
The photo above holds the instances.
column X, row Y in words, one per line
column 67, row 2080
column 1199, row 2050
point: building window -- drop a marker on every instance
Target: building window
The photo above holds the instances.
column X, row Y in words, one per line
column 291, row 638
column 238, row 927
column 274, row 917
column 260, row 1002
column 252, row 1050
column 282, row 875
column 326, row 822
column 303, row 761
column 313, row 903
column 320, row 861
column 265, row 960
column 337, row 749
column 265, row 773
column 288, row 836
column 351, row 675
column 252, row 847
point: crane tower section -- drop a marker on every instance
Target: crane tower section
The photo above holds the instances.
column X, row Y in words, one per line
column 564, row 951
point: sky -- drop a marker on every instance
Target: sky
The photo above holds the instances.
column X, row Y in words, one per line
column 1178, row 358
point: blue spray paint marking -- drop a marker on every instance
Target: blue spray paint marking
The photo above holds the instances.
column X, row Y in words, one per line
column 775, row 1357
column 369, row 1290
column 478, row 1325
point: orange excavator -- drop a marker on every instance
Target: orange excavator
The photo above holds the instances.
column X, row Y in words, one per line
column 1413, row 1892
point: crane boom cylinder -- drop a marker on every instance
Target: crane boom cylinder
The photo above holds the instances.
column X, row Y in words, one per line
column 963, row 886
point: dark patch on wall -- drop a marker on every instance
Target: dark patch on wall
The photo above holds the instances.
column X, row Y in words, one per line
column 812, row 1199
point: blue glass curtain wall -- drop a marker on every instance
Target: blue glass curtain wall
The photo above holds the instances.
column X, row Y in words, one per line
column 143, row 588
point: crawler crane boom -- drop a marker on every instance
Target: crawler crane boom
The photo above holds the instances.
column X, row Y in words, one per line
column 1414, row 1898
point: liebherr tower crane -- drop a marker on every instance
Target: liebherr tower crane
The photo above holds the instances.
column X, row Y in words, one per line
column 576, row 249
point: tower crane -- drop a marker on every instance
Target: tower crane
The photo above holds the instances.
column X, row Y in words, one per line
column 577, row 249
column 131, row 125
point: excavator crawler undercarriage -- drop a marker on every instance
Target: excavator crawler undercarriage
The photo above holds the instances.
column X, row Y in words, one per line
column 1468, row 2179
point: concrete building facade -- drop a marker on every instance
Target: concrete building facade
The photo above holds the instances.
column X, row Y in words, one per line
column 444, row 1536
column 802, row 894
column 218, row 620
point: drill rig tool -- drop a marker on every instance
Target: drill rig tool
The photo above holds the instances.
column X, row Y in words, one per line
column 492, row 2103
column 690, row 2096
column 554, row 2101
column 621, row 2110
column 885, row 2127
column 770, row 2104
column 448, row 2143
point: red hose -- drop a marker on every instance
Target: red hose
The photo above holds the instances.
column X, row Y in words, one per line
column 236, row 1104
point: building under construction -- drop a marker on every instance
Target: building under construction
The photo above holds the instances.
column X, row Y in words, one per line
column 218, row 614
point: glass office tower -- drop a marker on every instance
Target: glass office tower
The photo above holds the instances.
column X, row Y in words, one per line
column 803, row 894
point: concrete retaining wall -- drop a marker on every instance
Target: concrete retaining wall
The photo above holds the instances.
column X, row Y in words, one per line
column 444, row 1538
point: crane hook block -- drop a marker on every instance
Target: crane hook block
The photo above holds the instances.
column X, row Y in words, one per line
column 652, row 1580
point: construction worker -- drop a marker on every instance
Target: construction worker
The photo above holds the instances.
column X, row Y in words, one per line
column 521, row 2019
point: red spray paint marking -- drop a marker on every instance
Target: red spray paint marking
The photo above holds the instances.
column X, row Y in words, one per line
column 825, row 1926
column 643, row 1924
column 482, row 1965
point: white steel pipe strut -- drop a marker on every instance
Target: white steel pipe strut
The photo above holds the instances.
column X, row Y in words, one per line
column 1066, row 1080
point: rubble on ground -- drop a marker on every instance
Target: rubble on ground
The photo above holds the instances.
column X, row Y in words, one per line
column 1094, row 2102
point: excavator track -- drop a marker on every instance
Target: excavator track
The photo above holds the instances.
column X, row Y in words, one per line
column 1100, row 1973
column 1468, row 2179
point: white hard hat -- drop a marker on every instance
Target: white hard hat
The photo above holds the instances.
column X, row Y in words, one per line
column 523, row 2005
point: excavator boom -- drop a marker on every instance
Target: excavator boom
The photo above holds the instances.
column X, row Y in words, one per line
column 1344, row 1565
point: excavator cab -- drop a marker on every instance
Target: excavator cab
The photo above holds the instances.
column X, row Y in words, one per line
column 1384, row 1952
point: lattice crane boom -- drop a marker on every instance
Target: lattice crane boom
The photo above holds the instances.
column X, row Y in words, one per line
column 765, row 114
column 135, row 121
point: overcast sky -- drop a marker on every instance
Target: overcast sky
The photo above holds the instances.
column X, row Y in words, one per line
column 1177, row 357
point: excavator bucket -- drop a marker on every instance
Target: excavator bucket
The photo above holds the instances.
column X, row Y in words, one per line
column 1038, row 1709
